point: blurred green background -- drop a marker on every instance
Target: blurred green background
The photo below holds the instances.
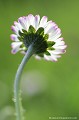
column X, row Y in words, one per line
column 48, row 89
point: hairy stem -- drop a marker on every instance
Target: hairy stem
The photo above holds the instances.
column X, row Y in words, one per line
column 17, row 96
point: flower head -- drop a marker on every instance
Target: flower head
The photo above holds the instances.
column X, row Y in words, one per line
column 43, row 34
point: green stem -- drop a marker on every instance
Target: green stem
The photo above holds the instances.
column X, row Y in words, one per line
column 17, row 97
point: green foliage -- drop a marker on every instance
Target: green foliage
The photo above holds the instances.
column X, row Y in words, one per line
column 60, row 96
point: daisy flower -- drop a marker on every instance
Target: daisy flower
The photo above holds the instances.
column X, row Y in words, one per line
column 43, row 34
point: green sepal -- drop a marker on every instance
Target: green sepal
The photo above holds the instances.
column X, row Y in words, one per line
column 24, row 31
column 31, row 29
column 50, row 48
column 47, row 53
column 40, row 31
column 50, row 43
column 46, row 37
column 41, row 55
column 20, row 33
column 20, row 38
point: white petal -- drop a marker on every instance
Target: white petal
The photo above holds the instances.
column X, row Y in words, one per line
column 22, row 52
column 59, row 42
column 16, row 44
column 37, row 57
column 51, row 27
column 54, row 54
column 14, row 51
column 57, row 51
column 43, row 21
column 54, row 32
column 27, row 22
column 48, row 23
column 15, row 29
column 14, row 37
column 37, row 20
column 15, row 47
column 60, row 39
column 46, row 57
column 53, row 36
column 18, row 25
column 60, row 47
column 50, row 58
column 31, row 20
column 22, row 21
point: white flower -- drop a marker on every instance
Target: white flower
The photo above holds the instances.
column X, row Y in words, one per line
column 43, row 33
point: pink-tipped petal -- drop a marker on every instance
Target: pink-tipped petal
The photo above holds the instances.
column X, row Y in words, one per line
column 14, row 37
column 50, row 28
column 55, row 52
column 31, row 20
column 54, row 36
column 43, row 21
column 37, row 20
column 14, row 29
column 14, row 51
column 50, row 58
column 16, row 44
column 60, row 47
column 37, row 57
column 22, row 21
column 18, row 25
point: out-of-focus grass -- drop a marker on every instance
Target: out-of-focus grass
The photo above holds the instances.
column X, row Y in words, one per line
column 60, row 97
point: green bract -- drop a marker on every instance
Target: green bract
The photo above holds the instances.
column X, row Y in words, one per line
column 37, row 38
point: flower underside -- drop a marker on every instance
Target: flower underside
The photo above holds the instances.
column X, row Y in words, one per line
column 43, row 35
column 37, row 38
